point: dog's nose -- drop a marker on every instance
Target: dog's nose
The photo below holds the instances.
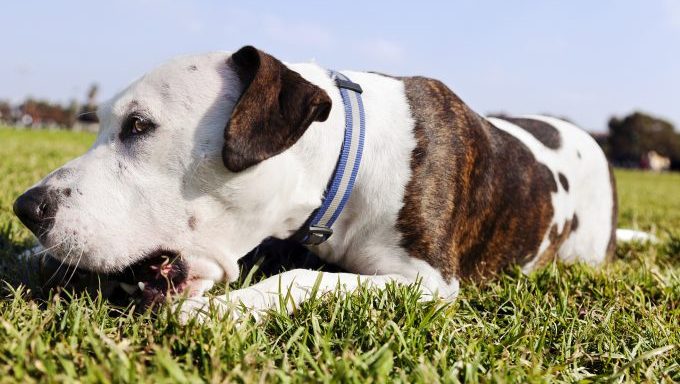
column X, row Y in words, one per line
column 36, row 209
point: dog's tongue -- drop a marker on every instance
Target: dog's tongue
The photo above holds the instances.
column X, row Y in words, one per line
column 146, row 283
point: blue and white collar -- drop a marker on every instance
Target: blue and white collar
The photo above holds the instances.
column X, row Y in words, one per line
column 317, row 229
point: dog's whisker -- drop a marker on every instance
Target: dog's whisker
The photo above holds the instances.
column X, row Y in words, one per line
column 62, row 262
column 68, row 266
column 75, row 268
column 87, row 113
column 54, row 274
column 45, row 250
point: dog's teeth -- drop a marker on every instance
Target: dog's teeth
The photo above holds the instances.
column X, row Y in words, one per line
column 129, row 288
column 141, row 285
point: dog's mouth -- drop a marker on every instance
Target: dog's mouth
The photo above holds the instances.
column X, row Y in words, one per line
column 154, row 278
column 147, row 283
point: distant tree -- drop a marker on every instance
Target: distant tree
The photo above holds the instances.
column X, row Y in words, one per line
column 87, row 113
column 5, row 112
column 92, row 95
column 635, row 135
column 45, row 114
column 72, row 112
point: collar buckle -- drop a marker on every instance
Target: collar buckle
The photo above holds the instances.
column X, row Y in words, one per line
column 346, row 84
column 317, row 235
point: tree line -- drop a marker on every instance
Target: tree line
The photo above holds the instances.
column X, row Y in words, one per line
column 45, row 114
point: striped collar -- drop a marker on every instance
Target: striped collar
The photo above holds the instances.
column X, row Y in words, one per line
column 317, row 229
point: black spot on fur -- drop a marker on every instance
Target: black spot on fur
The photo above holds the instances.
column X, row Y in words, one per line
column 542, row 131
column 192, row 68
column 574, row 223
column 192, row 223
column 67, row 192
column 563, row 181
column 578, row 153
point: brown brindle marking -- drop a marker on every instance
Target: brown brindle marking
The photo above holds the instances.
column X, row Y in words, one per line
column 465, row 207
column 563, row 181
column 556, row 239
column 542, row 131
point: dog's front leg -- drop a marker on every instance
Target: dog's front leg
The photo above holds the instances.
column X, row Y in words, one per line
column 286, row 290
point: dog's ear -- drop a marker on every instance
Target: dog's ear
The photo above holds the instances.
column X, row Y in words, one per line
column 274, row 110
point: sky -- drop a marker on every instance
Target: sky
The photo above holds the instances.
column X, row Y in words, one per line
column 585, row 60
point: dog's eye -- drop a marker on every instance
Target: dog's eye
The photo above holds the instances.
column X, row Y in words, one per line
column 140, row 125
column 136, row 125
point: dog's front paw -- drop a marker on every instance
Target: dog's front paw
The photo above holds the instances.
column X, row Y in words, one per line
column 203, row 309
column 197, row 308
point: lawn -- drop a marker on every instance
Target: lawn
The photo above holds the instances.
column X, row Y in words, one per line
column 563, row 323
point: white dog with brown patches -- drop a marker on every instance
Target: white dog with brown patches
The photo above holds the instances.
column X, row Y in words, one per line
column 202, row 159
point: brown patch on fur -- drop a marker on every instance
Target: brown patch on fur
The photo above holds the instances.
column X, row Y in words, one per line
column 192, row 223
column 556, row 239
column 611, row 247
column 477, row 200
column 563, row 181
column 542, row 131
column 274, row 110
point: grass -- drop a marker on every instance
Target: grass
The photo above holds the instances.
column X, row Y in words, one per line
column 560, row 324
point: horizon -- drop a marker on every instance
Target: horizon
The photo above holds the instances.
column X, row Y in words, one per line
column 584, row 61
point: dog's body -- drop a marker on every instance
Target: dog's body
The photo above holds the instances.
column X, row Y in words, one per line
column 442, row 193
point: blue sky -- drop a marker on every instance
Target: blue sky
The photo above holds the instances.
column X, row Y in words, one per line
column 584, row 59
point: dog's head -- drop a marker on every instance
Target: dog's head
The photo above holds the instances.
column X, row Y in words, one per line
column 193, row 163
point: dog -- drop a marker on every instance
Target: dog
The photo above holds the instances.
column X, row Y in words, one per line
column 200, row 160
